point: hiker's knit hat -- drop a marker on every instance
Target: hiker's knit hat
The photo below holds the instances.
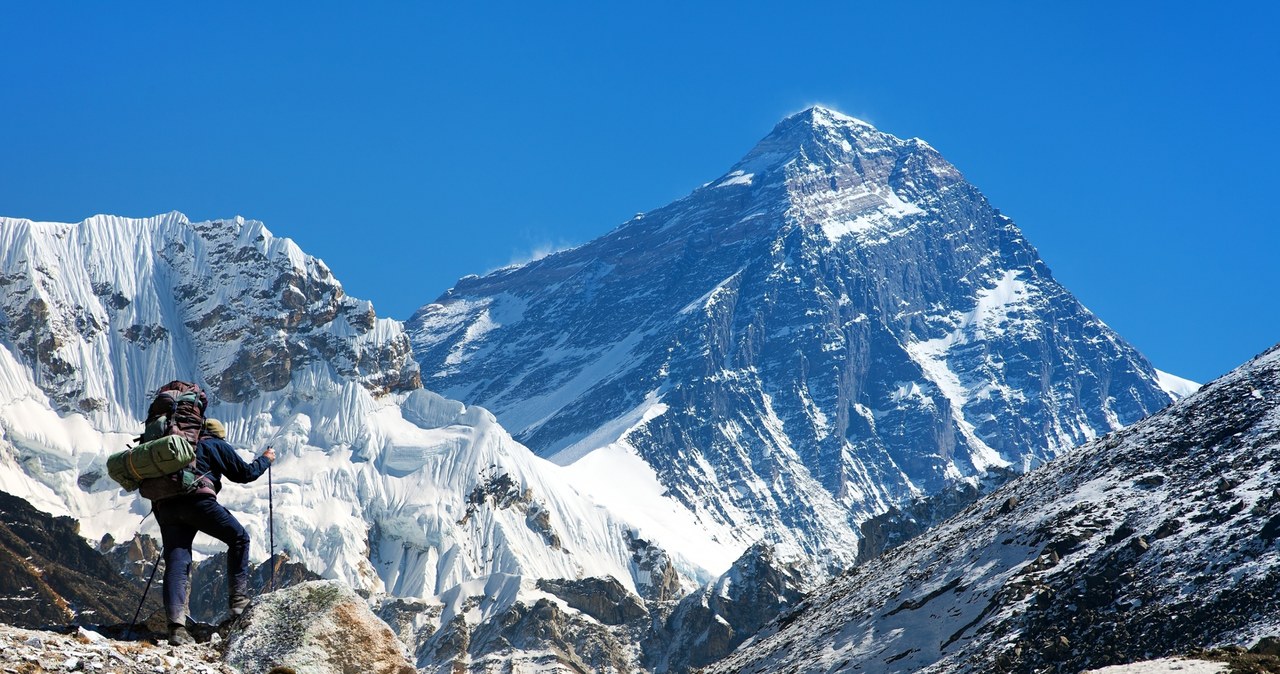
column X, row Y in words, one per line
column 215, row 428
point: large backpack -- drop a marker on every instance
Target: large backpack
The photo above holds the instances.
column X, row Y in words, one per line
column 163, row 464
column 177, row 409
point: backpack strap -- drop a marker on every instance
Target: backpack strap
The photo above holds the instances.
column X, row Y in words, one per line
column 132, row 469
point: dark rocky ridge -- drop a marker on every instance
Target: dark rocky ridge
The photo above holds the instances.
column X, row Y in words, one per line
column 49, row 575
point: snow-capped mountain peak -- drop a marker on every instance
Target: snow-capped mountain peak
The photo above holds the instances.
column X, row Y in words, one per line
column 837, row 324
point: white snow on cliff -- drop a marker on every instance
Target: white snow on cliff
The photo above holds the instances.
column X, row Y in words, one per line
column 378, row 483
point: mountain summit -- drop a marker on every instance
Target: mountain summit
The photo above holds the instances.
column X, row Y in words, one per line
column 837, row 325
column 814, row 133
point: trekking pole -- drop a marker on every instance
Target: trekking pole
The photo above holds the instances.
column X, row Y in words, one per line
column 271, row 525
column 134, row 623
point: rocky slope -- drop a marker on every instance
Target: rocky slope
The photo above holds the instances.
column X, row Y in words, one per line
column 839, row 324
column 1155, row 540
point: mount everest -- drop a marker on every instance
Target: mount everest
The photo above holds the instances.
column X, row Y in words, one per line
column 838, row 327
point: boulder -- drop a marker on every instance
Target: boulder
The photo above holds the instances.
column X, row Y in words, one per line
column 318, row 627
column 1267, row 646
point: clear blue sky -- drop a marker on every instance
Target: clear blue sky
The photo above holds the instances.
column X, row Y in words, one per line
column 408, row 144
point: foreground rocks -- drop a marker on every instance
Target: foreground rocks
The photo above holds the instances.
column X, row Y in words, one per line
column 320, row 627
column 33, row 651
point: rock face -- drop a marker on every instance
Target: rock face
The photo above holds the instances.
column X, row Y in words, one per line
column 319, row 627
column 604, row 599
column 839, row 324
column 1157, row 540
column 656, row 575
column 542, row 635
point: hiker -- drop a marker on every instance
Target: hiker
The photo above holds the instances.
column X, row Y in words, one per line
column 180, row 517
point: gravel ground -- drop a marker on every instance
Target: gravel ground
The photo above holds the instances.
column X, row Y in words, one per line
column 31, row 652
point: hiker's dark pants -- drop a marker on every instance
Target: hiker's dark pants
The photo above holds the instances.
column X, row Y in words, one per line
column 180, row 518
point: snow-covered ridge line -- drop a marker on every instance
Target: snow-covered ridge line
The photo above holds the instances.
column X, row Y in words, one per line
column 1175, row 385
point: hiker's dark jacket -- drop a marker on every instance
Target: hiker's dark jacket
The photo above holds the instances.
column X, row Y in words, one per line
column 215, row 459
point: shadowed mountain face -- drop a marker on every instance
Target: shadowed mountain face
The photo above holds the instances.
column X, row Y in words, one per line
column 839, row 324
column 49, row 575
column 1160, row 539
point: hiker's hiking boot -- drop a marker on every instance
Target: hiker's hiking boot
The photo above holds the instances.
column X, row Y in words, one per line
column 179, row 636
column 238, row 604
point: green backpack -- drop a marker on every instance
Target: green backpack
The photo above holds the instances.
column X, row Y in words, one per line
column 163, row 456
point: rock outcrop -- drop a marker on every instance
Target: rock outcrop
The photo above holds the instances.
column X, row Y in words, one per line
column 709, row 623
column 319, row 627
column 210, row 590
column 604, row 599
